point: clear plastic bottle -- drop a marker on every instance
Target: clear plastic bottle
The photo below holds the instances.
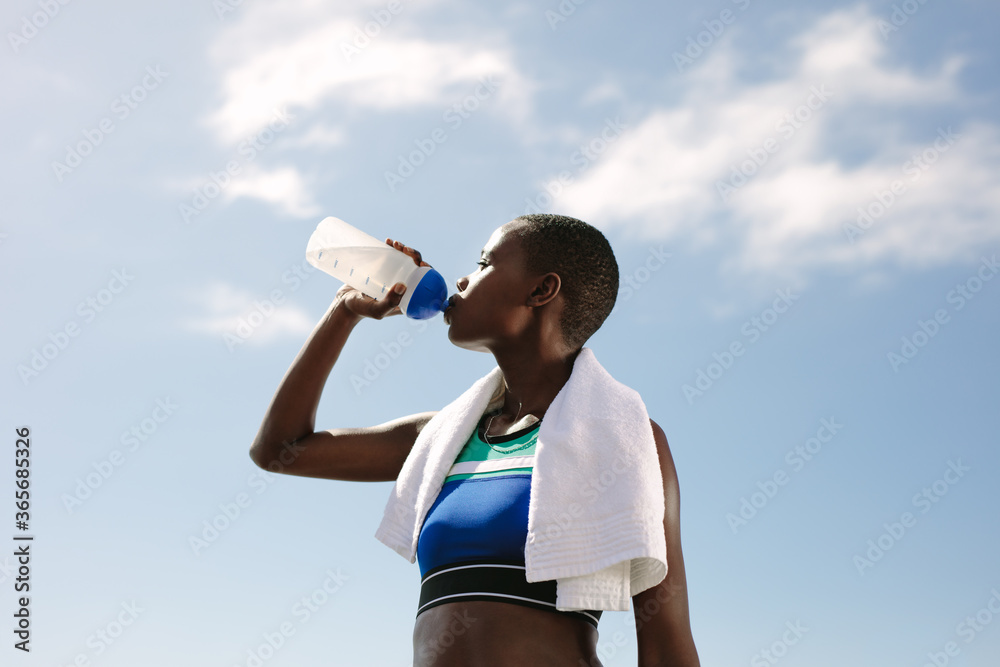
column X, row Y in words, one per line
column 373, row 267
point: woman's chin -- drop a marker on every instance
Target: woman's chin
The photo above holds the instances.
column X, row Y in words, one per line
column 465, row 344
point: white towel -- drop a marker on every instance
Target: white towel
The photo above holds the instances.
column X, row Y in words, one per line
column 595, row 514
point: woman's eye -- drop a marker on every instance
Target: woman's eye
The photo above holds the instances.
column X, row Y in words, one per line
column 482, row 263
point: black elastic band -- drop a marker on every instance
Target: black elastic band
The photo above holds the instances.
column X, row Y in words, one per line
column 494, row 581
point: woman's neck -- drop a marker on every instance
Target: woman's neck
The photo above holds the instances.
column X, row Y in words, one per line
column 531, row 383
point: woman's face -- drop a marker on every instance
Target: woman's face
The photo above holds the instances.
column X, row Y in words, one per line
column 490, row 306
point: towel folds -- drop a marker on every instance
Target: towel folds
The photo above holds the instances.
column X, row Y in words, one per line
column 595, row 516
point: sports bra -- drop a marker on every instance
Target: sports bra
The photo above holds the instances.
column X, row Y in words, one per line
column 471, row 543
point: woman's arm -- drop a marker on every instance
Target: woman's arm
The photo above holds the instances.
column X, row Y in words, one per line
column 287, row 441
column 662, row 622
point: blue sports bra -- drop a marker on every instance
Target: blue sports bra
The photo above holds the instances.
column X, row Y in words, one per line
column 471, row 543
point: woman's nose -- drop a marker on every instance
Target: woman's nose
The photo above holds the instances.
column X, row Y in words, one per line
column 462, row 282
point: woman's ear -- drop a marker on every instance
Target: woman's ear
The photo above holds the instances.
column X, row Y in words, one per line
column 545, row 289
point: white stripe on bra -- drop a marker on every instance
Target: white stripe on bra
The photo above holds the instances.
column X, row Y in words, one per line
column 491, row 465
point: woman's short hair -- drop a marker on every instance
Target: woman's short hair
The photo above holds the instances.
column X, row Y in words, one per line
column 586, row 265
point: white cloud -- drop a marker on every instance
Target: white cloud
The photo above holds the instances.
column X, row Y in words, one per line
column 320, row 136
column 307, row 58
column 283, row 187
column 660, row 179
column 231, row 312
column 265, row 63
column 607, row 90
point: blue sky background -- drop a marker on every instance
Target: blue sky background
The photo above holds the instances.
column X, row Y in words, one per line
column 674, row 130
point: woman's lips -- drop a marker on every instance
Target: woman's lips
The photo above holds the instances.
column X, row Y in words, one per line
column 451, row 305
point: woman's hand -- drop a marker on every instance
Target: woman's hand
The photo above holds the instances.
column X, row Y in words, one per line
column 368, row 454
column 386, row 306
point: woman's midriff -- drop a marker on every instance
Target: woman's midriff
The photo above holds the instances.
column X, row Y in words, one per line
column 498, row 634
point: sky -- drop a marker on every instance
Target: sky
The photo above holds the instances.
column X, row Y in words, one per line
column 804, row 201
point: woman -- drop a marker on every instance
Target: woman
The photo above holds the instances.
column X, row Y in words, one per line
column 545, row 283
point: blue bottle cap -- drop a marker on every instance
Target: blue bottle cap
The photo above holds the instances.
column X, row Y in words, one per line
column 429, row 297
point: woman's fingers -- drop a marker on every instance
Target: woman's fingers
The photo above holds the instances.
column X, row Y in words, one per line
column 388, row 304
column 412, row 252
column 361, row 304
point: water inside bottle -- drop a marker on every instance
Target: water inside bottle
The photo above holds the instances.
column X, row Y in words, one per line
column 371, row 270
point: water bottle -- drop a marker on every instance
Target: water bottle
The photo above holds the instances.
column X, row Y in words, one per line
column 372, row 267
